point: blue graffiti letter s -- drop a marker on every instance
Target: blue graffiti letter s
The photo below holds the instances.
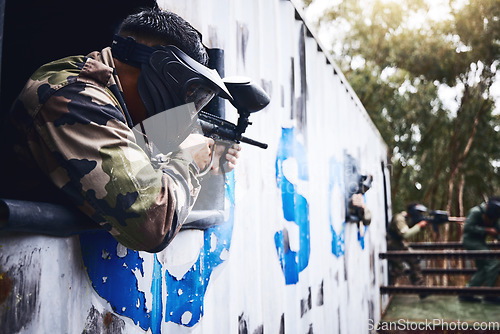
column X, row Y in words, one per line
column 292, row 243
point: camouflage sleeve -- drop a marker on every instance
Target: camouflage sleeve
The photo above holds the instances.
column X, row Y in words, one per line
column 84, row 145
column 410, row 232
column 399, row 225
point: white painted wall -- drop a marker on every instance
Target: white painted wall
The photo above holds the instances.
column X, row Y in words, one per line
column 231, row 276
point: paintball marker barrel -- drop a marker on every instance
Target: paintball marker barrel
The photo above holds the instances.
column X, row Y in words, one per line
column 438, row 217
column 215, row 126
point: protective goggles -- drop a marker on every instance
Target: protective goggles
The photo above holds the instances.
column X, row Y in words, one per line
column 169, row 78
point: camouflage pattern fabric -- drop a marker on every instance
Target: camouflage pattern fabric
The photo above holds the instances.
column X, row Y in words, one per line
column 72, row 143
column 395, row 241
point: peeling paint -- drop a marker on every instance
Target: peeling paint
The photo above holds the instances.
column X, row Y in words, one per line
column 259, row 330
column 108, row 319
column 20, row 292
column 320, row 296
column 107, row 323
column 306, row 303
column 5, row 287
column 242, row 324
column 242, row 36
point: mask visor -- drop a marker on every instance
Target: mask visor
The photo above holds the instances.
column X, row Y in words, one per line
column 200, row 95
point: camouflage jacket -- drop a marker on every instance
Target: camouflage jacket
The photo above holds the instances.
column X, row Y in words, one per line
column 72, row 143
column 398, row 230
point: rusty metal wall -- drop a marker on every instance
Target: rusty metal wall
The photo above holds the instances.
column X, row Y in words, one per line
column 284, row 261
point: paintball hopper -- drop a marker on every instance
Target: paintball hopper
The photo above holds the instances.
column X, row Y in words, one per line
column 247, row 96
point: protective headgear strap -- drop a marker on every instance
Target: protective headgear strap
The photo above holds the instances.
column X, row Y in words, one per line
column 127, row 50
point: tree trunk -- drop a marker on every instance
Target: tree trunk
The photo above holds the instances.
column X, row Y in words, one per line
column 460, row 196
column 458, row 158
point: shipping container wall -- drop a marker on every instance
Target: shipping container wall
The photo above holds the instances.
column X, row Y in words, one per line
column 285, row 260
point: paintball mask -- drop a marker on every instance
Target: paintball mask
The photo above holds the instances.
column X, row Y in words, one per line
column 493, row 209
column 365, row 183
column 416, row 213
column 169, row 78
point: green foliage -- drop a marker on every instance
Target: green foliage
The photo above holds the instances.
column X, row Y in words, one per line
column 447, row 159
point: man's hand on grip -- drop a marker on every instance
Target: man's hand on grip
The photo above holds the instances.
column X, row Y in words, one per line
column 199, row 147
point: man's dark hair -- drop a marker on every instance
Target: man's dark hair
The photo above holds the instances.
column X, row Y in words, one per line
column 165, row 28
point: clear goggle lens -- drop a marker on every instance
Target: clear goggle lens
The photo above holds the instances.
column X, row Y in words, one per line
column 199, row 95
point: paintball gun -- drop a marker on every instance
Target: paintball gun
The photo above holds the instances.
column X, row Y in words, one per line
column 247, row 98
column 165, row 131
column 168, row 129
column 439, row 217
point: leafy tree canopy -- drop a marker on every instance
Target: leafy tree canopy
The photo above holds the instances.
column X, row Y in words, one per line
column 399, row 59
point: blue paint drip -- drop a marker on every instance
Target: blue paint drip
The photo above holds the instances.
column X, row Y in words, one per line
column 338, row 241
column 336, row 177
column 120, row 286
column 361, row 239
column 156, row 291
column 295, row 208
column 287, row 260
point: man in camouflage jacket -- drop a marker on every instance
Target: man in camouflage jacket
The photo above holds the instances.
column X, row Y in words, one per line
column 403, row 226
column 72, row 143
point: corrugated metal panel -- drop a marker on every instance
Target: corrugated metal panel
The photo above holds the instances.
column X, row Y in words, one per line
column 284, row 261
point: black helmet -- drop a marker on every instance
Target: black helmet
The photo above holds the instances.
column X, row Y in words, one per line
column 493, row 208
